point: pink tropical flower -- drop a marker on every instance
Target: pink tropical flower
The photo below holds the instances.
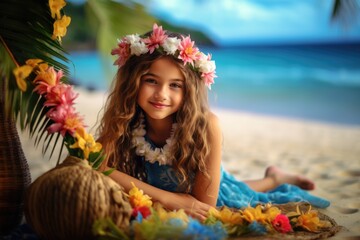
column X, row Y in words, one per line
column 156, row 39
column 46, row 79
column 123, row 52
column 61, row 94
column 282, row 224
column 65, row 120
column 188, row 53
column 208, row 78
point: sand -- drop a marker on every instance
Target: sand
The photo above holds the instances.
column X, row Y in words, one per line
column 329, row 154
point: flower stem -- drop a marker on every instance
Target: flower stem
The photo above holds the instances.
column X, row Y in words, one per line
column 9, row 51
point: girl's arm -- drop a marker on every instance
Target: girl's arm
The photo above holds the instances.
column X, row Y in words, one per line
column 169, row 200
column 206, row 189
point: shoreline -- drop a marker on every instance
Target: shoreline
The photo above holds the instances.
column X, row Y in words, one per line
column 327, row 153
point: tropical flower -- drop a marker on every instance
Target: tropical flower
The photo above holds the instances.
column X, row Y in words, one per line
column 85, row 142
column 309, row 220
column 171, row 45
column 282, row 224
column 188, row 53
column 137, row 46
column 227, row 216
column 156, row 38
column 61, row 94
column 138, row 198
column 165, row 215
column 65, row 120
column 251, row 214
column 34, row 62
column 143, row 210
column 55, row 7
column 123, row 51
column 60, row 26
column 183, row 49
column 21, row 73
column 271, row 211
column 46, row 79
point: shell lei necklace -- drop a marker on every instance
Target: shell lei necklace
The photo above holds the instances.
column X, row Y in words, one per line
column 144, row 148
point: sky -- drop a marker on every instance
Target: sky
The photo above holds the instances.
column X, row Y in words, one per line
column 257, row 21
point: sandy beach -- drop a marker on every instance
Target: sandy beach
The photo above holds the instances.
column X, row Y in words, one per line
column 327, row 153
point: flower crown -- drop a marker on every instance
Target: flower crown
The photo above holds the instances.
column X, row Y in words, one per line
column 158, row 40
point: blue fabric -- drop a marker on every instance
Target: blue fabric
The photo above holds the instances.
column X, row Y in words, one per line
column 232, row 193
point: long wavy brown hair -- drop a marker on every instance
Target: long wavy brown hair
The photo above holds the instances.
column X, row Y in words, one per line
column 122, row 115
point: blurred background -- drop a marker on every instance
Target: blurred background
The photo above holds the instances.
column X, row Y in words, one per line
column 298, row 59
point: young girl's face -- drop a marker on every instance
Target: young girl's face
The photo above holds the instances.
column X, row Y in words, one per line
column 161, row 89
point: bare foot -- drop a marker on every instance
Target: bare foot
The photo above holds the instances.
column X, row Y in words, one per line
column 282, row 177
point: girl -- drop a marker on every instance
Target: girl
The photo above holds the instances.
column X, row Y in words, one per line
column 158, row 132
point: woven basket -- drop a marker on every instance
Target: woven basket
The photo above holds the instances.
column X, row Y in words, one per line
column 65, row 202
column 14, row 173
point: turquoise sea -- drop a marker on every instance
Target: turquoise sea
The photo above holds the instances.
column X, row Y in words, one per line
column 314, row 82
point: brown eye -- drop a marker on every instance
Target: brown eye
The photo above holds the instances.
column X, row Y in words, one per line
column 176, row 85
column 150, row 80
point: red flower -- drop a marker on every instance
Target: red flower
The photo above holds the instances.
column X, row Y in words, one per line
column 144, row 210
column 282, row 224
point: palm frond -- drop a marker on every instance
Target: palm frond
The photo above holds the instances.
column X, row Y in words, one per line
column 113, row 20
column 26, row 32
column 345, row 12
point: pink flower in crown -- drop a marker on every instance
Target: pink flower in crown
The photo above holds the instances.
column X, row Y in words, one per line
column 123, row 52
column 65, row 120
column 156, row 38
column 207, row 68
column 188, row 53
column 61, row 94
column 208, row 78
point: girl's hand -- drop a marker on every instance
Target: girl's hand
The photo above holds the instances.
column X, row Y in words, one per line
column 191, row 206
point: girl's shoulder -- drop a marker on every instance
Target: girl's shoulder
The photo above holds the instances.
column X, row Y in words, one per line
column 213, row 122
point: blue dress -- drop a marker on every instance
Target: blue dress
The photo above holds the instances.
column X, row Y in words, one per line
column 232, row 193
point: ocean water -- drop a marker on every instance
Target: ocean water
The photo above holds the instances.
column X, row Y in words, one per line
column 312, row 82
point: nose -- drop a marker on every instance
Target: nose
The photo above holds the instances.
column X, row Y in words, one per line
column 160, row 93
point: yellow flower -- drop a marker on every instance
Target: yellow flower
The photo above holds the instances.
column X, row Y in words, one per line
column 55, row 7
column 308, row 220
column 60, row 26
column 254, row 214
column 138, row 198
column 86, row 142
column 165, row 215
column 33, row 62
column 227, row 216
column 46, row 74
column 21, row 73
column 271, row 212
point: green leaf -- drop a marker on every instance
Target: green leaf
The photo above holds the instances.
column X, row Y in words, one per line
column 26, row 32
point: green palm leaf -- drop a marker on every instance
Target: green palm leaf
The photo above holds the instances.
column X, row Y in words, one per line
column 26, row 32
column 113, row 20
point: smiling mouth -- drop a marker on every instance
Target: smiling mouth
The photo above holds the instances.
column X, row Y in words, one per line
column 159, row 105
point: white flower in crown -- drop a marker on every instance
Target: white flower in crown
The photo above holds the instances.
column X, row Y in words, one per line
column 205, row 64
column 171, row 45
column 183, row 49
column 137, row 46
